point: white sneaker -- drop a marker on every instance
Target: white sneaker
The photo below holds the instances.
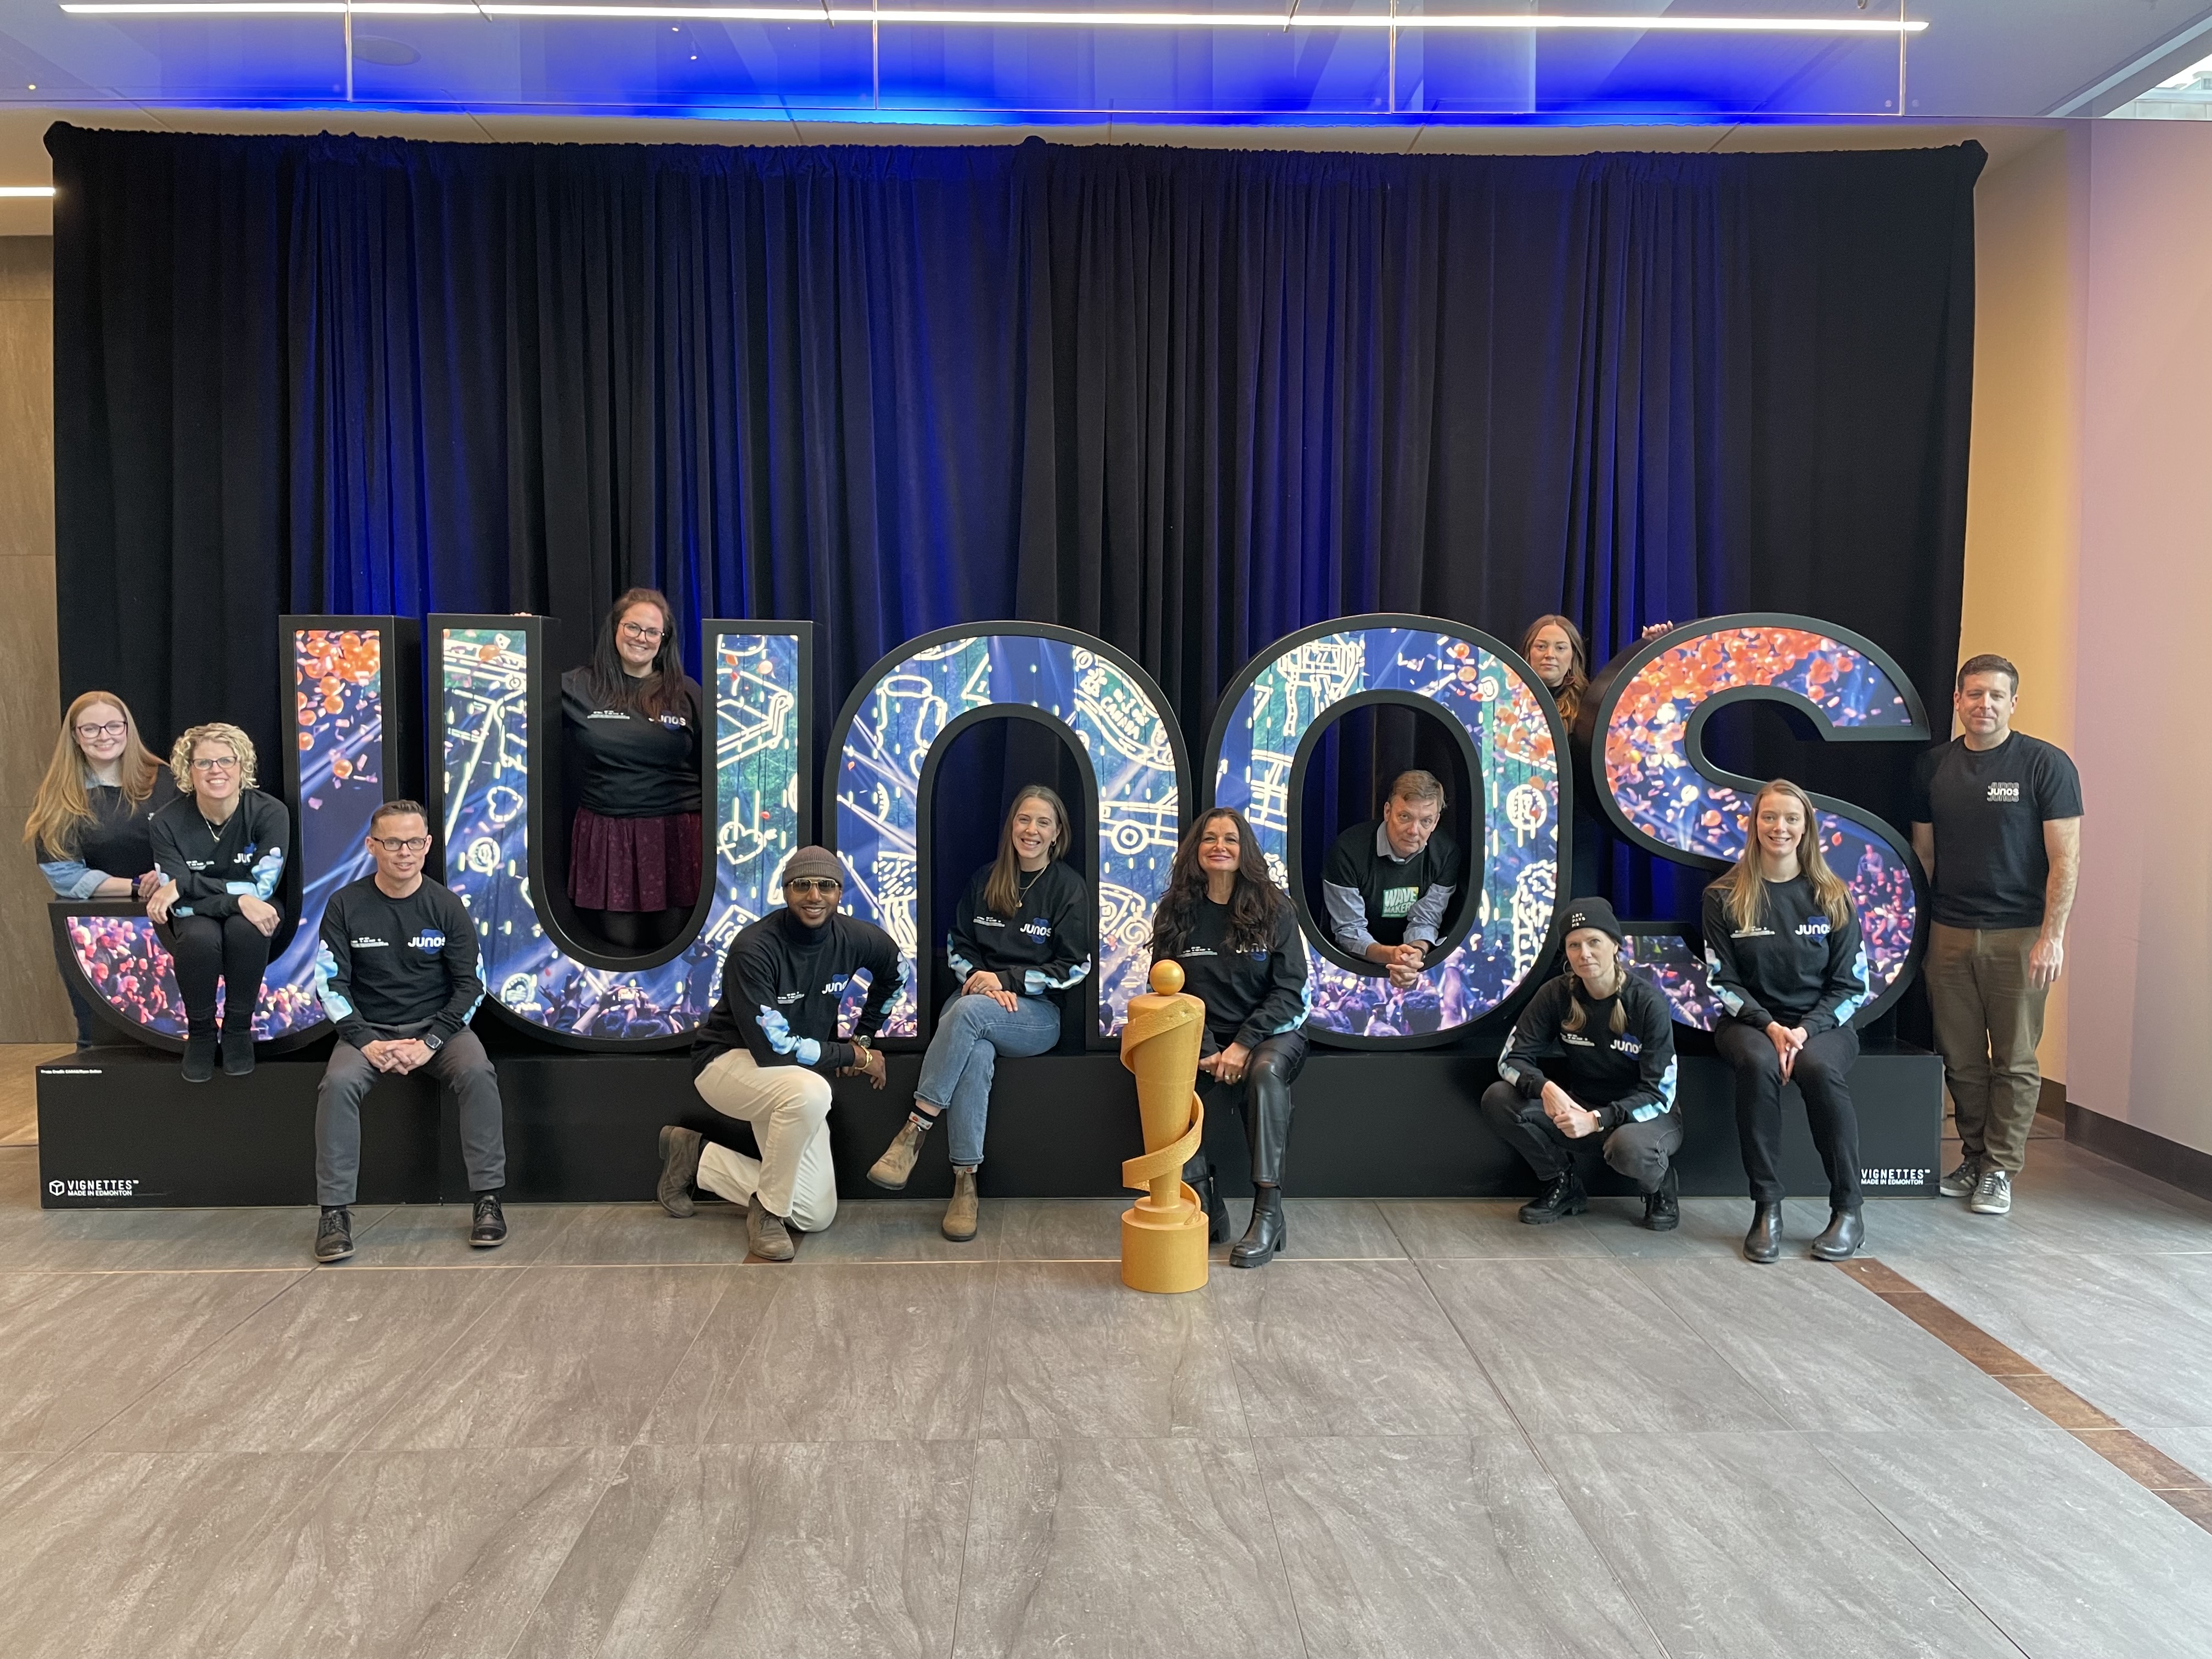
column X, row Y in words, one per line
column 1960, row 1183
column 1992, row 1193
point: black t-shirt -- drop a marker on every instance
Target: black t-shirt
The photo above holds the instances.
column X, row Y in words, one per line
column 781, row 986
column 214, row 867
column 1988, row 810
column 1249, row 995
column 387, row 961
column 1042, row 949
column 1395, row 896
column 118, row 839
column 635, row 767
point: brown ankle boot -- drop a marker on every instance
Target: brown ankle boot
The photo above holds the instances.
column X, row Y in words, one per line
column 891, row 1169
column 960, row 1213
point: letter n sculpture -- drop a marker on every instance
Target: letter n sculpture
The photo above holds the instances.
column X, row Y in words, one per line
column 1164, row 1233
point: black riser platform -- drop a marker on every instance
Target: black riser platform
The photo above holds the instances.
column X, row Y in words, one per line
column 118, row 1127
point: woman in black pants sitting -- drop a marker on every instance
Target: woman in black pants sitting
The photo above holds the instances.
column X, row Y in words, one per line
column 221, row 850
column 1782, row 941
column 1236, row 935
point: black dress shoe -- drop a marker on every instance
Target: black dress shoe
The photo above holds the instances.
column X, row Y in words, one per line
column 1845, row 1232
column 199, row 1058
column 1265, row 1236
column 1764, row 1242
column 1663, row 1209
column 334, row 1234
column 1564, row 1196
column 1198, row 1175
column 238, row 1052
column 489, row 1228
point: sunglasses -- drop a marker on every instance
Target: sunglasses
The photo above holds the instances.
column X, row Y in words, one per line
column 812, row 884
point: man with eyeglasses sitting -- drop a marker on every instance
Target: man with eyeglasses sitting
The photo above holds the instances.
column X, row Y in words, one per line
column 766, row 1052
column 396, row 972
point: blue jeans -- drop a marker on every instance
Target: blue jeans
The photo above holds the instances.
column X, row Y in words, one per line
column 972, row 1032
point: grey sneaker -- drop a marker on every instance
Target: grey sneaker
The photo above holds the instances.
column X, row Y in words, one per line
column 1992, row 1193
column 679, row 1167
column 767, row 1234
column 1960, row 1183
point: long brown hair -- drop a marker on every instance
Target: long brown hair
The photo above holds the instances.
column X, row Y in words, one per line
column 1747, row 889
column 1253, row 906
column 658, row 692
column 1002, row 893
column 1569, row 694
column 61, row 809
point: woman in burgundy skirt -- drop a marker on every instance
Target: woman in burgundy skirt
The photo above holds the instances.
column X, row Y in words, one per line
column 633, row 851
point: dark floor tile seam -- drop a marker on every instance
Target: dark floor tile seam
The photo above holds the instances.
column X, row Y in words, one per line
column 199, row 1354
column 2181, row 1489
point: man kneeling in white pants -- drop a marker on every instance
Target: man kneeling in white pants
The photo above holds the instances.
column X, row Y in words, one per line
column 766, row 1053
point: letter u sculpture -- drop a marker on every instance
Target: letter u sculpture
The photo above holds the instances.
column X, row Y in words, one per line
column 1164, row 1233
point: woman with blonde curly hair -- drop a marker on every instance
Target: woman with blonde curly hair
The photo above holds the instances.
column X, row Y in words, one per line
column 91, row 825
column 220, row 851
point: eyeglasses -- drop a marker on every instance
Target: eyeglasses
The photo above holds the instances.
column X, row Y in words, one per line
column 401, row 843
column 639, row 631
column 105, row 729
column 812, row 884
column 215, row 764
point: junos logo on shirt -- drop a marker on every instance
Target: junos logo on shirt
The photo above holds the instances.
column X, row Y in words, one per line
column 1627, row 1045
column 1813, row 928
column 678, row 721
column 429, row 941
column 835, row 988
column 1039, row 929
column 2005, row 792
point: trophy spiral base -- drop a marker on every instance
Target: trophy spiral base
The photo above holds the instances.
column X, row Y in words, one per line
column 1163, row 1248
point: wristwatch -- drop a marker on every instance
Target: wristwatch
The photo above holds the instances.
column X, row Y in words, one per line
column 432, row 1041
column 862, row 1043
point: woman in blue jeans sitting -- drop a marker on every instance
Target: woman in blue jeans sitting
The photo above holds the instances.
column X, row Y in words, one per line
column 1021, row 936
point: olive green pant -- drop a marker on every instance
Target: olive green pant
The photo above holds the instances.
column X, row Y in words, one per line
column 1989, row 1018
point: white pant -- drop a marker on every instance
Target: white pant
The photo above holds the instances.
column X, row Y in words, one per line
column 788, row 1107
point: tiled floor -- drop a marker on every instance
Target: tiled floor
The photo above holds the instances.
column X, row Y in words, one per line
column 1428, row 1431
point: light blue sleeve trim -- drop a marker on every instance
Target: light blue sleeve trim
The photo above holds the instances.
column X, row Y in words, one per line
column 1306, row 1008
column 1851, row 1003
column 1730, row 999
column 326, row 971
column 1505, row 1072
column 1664, row 1104
column 72, row 879
column 1425, row 921
column 268, row 871
column 960, row 964
column 777, row 1029
column 1348, row 917
column 1037, row 982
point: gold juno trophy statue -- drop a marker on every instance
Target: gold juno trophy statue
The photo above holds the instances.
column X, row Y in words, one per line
column 1164, row 1233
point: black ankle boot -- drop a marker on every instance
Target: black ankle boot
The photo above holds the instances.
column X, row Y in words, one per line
column 1265, row 1236
column 1663, row 1209
column 1197, row 1174
column 1563, row 1196
column 1764, row 1242
column 238, row 1051
column 199, row 1055
column 1846, row 1231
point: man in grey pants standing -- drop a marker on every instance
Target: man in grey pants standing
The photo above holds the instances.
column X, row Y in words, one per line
column 1996, row 820
column 396, row 972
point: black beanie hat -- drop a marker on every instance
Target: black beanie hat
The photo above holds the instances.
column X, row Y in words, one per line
column 1593, row 912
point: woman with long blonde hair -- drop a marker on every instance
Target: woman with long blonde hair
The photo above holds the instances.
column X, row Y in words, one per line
column 1783, row 948
column 1022, row 939
column 90, row 826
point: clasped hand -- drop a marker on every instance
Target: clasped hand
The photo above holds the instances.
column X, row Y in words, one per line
column 1228, row 1066
column 1569, row 1119
column 1787, row 1041
column 981, row 984
column 396, row 1056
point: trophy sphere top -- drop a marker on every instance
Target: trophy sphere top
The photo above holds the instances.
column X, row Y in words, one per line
column 1167, row 977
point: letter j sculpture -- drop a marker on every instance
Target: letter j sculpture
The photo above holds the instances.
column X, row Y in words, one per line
column 1164, row 1233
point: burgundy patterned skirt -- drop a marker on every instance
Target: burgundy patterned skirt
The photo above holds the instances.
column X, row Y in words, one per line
column 633, row 864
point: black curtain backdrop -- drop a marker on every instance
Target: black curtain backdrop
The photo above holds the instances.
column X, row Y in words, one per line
column 1187, row 400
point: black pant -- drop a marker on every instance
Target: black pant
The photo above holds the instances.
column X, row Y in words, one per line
column 1640, row 1151
column 1820, row 1071
column 1263, row 1097
column 208, row 948
column 78, row 1006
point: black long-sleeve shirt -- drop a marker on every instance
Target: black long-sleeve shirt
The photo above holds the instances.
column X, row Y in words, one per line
column 781, row 983
column 1795, row 968
column 387, row 961
column 1042, row 949
column 1249, row 995
column 118, row 841
column 1623, row 1077
column 213, row 868
column 636, row 767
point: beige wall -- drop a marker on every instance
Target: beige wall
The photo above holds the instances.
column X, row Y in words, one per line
column 2024, row 486
column 32, row 1006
